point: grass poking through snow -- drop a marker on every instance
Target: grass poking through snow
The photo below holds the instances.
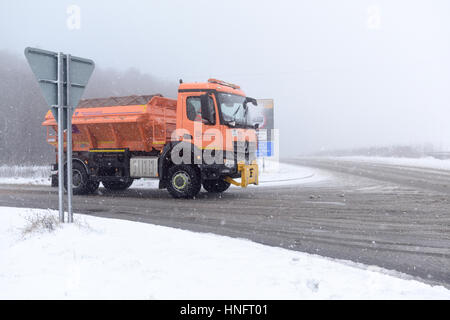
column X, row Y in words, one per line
column 40, row 223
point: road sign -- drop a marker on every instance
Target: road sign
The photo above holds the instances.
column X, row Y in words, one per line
column 266, row 127
column 62, row 78
column 74, row 77
column 261, row 134
column 267, row 114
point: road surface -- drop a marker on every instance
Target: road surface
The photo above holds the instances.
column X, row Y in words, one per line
column 390, row 216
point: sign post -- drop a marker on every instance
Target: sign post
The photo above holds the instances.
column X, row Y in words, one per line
column 62, row 78
column 69, row 144
column 60, row 138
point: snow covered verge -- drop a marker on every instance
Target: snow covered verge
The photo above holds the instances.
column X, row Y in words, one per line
column 97, row 258
column 36, row 175
column 427, row 162
column 271, row 174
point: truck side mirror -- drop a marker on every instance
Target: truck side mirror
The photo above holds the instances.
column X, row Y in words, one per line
column 251, row 100
column 208, row 113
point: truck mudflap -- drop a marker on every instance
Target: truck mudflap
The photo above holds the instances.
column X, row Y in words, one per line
column 249, row 175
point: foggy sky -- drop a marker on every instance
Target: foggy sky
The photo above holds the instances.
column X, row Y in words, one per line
column 341, row 74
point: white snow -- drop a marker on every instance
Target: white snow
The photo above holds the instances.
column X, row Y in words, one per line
column 114, row 259
column 274, row 173
column 426, row 162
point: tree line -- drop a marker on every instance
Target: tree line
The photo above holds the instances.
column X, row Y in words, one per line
column 22, row 106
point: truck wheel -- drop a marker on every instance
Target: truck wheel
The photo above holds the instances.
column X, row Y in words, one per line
column 80, row 179
column 117, row 185
column 216, row 185
column 184, row 181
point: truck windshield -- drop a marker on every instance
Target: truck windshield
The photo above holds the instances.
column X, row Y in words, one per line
column 233, row 109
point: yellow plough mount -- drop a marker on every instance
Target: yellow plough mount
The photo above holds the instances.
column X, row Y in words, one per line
column 249, row 175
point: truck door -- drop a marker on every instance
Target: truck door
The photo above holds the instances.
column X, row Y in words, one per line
column 192, row 119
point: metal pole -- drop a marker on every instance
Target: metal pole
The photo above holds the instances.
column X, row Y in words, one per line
column 69, row 143
column 60, row 140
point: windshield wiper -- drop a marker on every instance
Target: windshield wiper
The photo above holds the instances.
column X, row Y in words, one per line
column 237, row 110
column 239, row 122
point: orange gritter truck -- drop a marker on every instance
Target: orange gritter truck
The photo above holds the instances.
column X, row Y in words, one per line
column 202, row 138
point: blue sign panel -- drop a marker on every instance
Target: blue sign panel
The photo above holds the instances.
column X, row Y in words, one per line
column 265, row 149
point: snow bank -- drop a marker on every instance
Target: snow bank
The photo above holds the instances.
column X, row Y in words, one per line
column 427, row 162
column 114, row 259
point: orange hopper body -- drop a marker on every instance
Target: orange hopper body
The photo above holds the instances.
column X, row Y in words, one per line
column 139, row 123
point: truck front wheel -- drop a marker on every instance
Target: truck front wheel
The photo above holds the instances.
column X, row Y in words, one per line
column 184, row 181
column 117, row 185
column 216, row 185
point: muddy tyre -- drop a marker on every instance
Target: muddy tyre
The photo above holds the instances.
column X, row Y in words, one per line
column 184, row 181
column 117, row 185
column 216, row 186
column 80, row 179
column 93, row 186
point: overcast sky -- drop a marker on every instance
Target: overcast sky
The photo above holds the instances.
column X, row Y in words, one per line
column 342, row 73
